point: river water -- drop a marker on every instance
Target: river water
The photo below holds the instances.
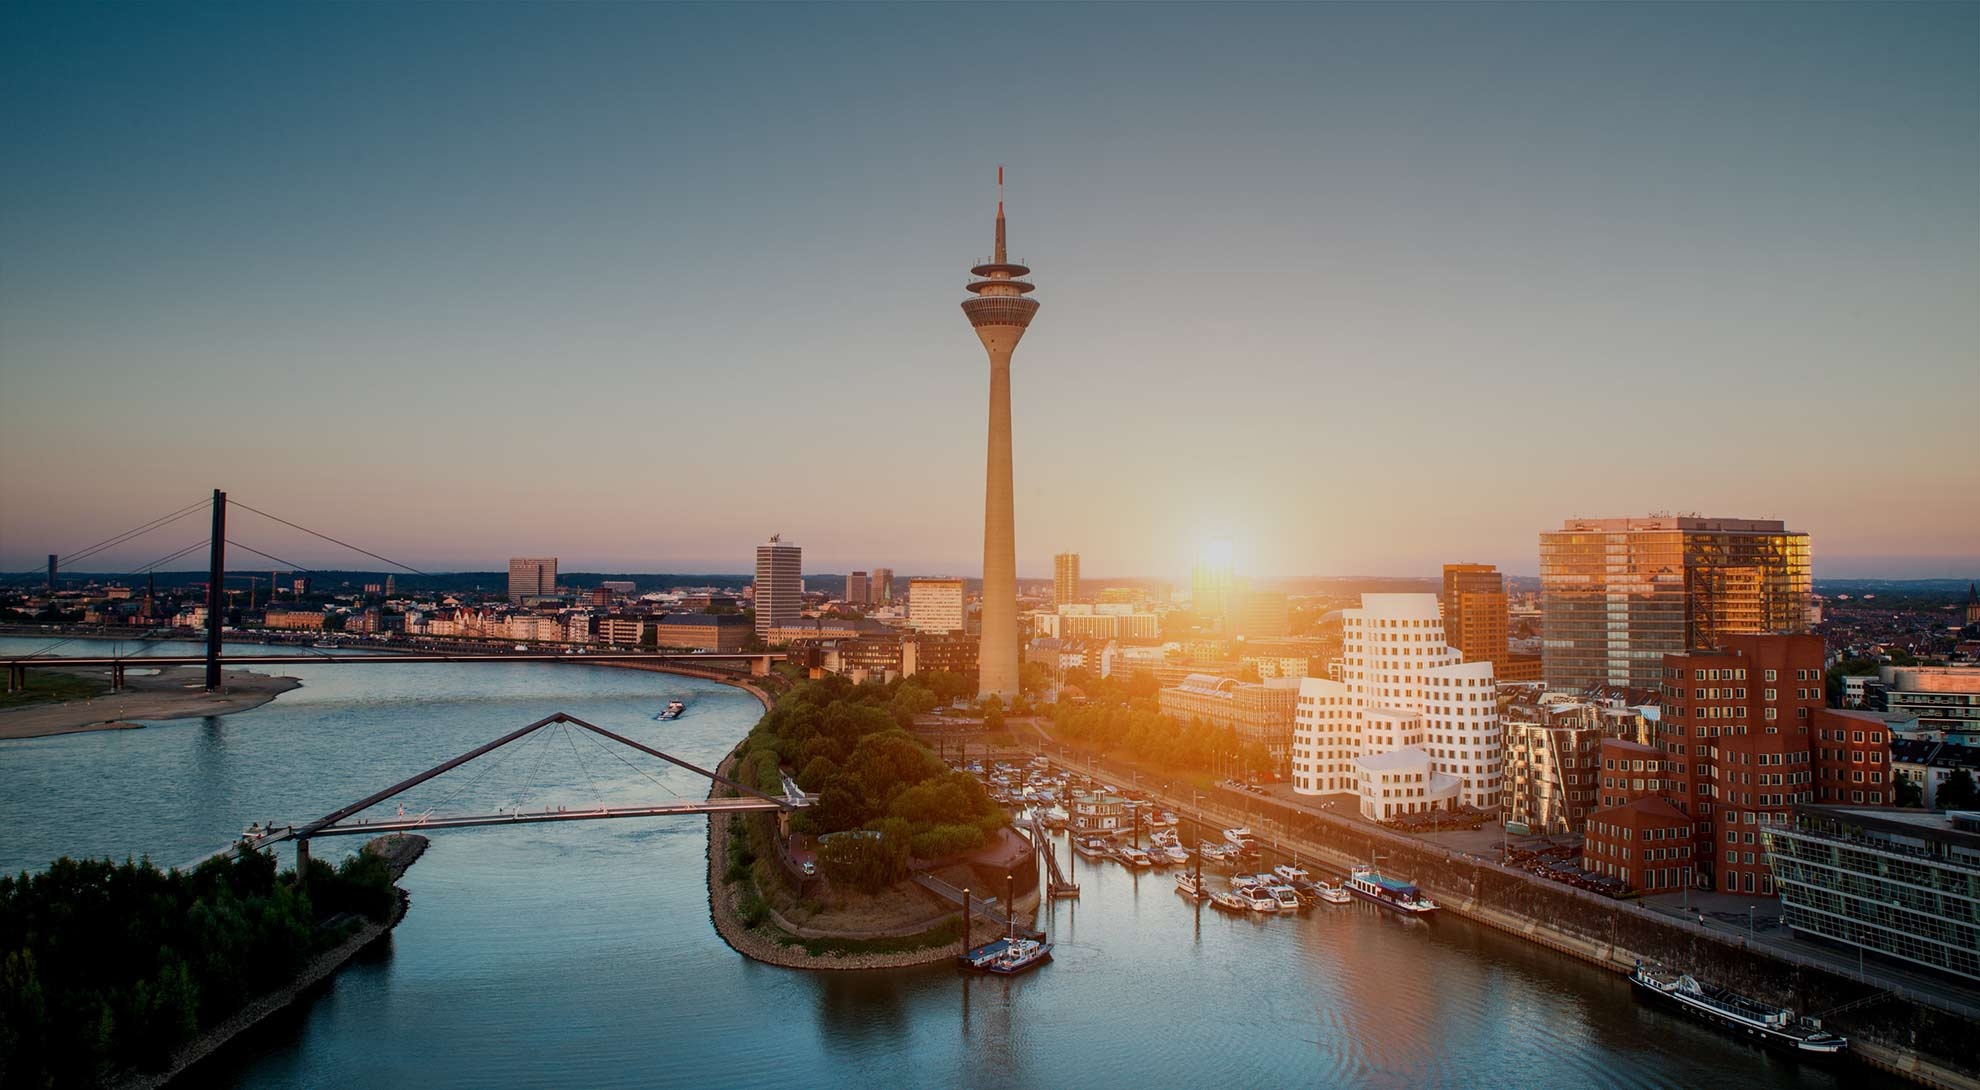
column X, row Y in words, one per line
column 581, row 954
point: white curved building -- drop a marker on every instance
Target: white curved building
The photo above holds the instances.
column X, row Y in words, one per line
column 1410, row 727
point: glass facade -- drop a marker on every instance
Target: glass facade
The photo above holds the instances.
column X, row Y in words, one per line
column 1618, row 594
column 1902, row 884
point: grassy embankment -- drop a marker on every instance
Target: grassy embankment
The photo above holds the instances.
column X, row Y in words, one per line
column 46, row 687
column 879, row 786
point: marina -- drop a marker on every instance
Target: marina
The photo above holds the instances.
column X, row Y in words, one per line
column 499, row 956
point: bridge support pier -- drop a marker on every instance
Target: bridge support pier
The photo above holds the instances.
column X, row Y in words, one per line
column 759, row 667
column 302, row 858
column 17, row 677
column 117, row 677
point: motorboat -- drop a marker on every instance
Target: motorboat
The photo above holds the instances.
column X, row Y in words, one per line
column 1008, row 956
column 1190, row 885
column 1216, row 853
column 1292, row 874
column 1334, row 893
column 1134, row 857
column 1228, row 901
column 674, row 710
column 1175, row 853
column 1093, row 847
column 1287, row 897
column 1257, row 898
column 1241, row 838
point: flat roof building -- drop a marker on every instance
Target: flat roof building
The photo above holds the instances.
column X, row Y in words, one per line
column 935, row 605
column 1617, row 595
column 779, row 584
column 531, row 577
column 1901, row 883
column 1065, row 579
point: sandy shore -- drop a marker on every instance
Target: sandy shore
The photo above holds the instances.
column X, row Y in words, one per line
column 174, row 693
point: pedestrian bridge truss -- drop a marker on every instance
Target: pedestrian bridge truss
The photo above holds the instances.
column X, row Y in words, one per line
column 349, row 820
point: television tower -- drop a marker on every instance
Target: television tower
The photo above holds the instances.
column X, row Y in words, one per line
column 1000, row 313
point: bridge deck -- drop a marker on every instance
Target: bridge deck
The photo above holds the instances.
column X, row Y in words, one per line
column 383, row 659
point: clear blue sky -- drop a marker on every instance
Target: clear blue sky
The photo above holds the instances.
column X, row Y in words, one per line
column 1367, row 288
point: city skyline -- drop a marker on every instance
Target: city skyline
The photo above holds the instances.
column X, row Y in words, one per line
column 375, row 254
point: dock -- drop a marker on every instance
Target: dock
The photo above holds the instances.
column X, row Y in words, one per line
column 1057, row 885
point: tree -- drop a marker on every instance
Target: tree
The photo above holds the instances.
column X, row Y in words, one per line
column 1958, row 792
column 1909, row 793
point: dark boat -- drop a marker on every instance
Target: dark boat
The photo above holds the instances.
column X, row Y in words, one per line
column 1745, row 1017
column 1008, row 956
column 674, row 710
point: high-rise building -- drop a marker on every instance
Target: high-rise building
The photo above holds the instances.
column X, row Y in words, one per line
column 1617, row 595
column 1210, row 583
column 779, row 584
column 935, row 605
column 857, row 589
column 1475, row 613
column 1411, row 727
column 880, row 589
column 1261, row 614
column 532, row 577
column 1000, row 314
column 1065, row 579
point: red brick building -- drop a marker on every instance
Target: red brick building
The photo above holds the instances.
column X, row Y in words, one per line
column 1647, row 844
column 1853, row 759
column 1743, row 736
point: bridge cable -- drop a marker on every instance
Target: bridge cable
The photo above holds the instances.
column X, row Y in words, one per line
column 327, row 537
column 166, row 559
column 542, row 752
column 117, row 539
column 591, row 780
column 465, row 784
column 619, row 757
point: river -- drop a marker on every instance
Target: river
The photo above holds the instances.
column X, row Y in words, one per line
column 581, row 954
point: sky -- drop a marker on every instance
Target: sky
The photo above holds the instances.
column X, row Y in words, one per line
column 1364, row 288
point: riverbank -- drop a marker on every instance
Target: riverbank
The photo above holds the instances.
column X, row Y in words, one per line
column 1926, row 1045
column 754, row 943
column 399, row 852
column 175, row 692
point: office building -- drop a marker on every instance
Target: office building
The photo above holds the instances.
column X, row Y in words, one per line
column 935, row 605
column 1000, row 314
column 1065, row 579
column 858, row 590
column 1617, row 595
column 1742, row 737
column 703, row 631
column 779, row 584
column 1261, row 713
column 1261, row 615
column 1402, row 687
column 1903, row 884
column 1475, row 614
column 1945, row 699
column 530, row 577
column 1210, row 584
column 880, row 586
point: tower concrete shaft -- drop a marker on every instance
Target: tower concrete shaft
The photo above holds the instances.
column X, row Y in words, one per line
column 1000, row 314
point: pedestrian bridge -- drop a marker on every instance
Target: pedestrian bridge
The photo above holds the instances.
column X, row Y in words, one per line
column 347, row 820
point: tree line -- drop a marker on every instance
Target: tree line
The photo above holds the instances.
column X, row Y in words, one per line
column 107, row 967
